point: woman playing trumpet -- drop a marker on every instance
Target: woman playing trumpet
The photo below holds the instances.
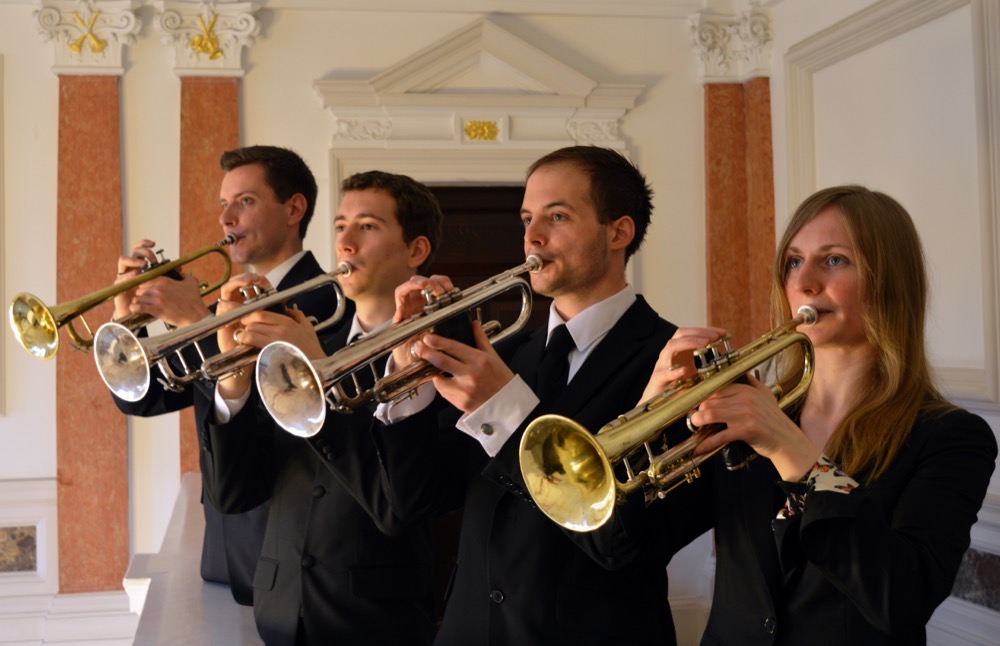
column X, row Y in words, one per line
column 852, row 529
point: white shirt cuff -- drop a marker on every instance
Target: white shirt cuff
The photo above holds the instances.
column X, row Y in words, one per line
column 494, row 422
column 225, row 409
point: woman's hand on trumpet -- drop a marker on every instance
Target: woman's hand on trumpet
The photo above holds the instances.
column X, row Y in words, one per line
column 676, row 360
column 750, row 413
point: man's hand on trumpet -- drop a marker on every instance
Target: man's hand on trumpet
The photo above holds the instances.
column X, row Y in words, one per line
column 472, row 375
column 259, row 328
column 175, row 302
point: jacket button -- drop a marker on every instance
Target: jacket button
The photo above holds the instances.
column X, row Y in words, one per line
column 769, row 625
column 320, row 443
column 308, row 561
column 319, row 491
column 496, row 596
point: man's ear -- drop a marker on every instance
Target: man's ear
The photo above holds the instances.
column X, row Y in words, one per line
column 420, row 249
column 297, row 205
column 621, row 232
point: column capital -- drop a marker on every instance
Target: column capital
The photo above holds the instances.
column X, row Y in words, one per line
column 732, row 48
column 89, row 35
column 208, row 37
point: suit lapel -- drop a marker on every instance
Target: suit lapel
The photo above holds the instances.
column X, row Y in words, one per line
column 526, row 359
column 623, row 342
column 303, row 270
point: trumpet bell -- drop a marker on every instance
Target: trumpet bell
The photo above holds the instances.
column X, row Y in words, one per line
column 121, row 362
column 291, row 389
column 34, row 326
column 568, row 473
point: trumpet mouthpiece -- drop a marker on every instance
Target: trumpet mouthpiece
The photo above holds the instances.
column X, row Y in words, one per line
column 534, row 263
column 344, row 268
column 228, row 240
column 808, row 314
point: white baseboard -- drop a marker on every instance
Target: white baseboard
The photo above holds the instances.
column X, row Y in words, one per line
column 690, row 618
column 961, row 623
column 80, row 619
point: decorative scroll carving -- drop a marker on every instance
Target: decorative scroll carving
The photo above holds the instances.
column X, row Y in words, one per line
column 732, row 48
column 208, row 38
column 363, row 129
column 593, row 130
column 89, row 35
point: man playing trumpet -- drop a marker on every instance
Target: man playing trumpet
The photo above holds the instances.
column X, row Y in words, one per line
column 337, row 566
column 267, row 199
column 519, row 578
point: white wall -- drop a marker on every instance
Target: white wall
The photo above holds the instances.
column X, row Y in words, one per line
column 905, row 111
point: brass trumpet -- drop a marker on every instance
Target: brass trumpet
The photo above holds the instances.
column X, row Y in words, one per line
column 570, row 472
column 125, row 361
column 296, row 391
column 37, row 326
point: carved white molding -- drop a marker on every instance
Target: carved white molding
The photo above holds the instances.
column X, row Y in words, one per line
column 631, row 8
column 31, row 503
column 978, row 389
column 208, row 37
column 479, row 87
column 82, row 618
column 732, row 49
column 89, row 36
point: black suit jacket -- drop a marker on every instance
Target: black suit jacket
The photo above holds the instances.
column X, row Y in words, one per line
column 232, row 544
column 869, row 567
column 328, row 556
column 521, row 579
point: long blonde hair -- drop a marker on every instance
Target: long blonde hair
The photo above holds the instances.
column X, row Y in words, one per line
column 893, row 286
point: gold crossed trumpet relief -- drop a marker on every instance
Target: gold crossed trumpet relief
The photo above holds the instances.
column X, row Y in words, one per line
column 97, row 45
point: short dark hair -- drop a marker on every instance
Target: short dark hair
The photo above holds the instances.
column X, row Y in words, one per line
column 284, row 172
column 417, row 209
column 617, row 188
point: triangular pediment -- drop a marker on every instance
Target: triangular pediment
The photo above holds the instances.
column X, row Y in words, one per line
column 482, row 57
column 478, row 65
column 480, row 85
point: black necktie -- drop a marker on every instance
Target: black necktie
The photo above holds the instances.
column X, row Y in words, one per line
column 554, row 368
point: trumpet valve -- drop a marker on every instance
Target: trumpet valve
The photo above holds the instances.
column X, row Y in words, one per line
column 685, row 478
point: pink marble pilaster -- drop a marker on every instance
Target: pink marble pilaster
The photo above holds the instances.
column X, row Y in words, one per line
column 210, row 124
column 739, row 218
column 92, row 450
column 725, row 209
column 760, row 202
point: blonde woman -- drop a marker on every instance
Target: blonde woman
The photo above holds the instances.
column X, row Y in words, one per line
column 851, row 528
